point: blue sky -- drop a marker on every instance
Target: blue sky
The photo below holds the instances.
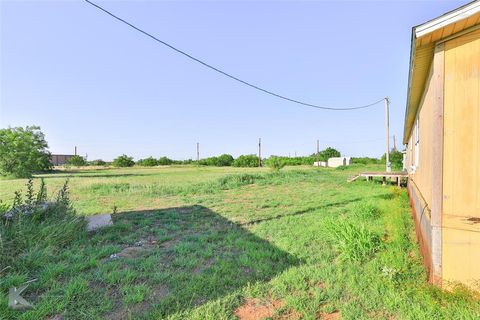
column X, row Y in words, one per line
column 93, row 82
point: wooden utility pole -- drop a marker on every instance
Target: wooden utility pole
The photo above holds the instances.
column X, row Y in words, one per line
column 387, row 135
column 259, row 152
column 198, row 151
column 394, row 143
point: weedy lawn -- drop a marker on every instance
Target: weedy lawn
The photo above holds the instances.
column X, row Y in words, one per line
column 220, row 243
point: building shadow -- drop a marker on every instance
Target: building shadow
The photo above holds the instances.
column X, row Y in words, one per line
column 186, row 256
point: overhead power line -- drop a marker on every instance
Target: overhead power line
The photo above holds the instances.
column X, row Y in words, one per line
column 227, row 74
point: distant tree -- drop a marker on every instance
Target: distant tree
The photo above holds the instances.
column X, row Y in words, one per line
column 224, row 160
column 249, row 160
column 396, row 159
column 97, row 162
column 77, row 161
column 148, row 162
column 329, row 153
column 211, row 161
column 164, row 161
column 123, row 161
column 23, row 151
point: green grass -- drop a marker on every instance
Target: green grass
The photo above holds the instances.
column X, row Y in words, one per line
column 196, row 243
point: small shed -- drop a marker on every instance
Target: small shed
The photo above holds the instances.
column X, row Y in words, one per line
column 339, row 161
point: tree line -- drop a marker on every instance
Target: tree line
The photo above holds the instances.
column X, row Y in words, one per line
column 24, row 151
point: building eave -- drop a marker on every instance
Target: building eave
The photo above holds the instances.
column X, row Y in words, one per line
column 424, row 39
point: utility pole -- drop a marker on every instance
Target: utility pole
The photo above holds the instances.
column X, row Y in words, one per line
column 387, row 125
column 75, row 150
column 198, row 151
column 394, row 143
column 259, row 152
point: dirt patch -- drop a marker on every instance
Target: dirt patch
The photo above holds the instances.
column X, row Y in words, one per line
column 132, row 252
column 203, row 266
column 159, row 292
column 170, row 243
column 125, row 313
column 254, row 309
column 335, row 315
column 320, row 285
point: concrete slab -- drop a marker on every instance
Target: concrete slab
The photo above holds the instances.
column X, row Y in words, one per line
column 99, row 221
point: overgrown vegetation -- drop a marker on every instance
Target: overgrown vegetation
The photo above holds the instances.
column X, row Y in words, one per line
column 97, row 162
column 275, row 163
column 224, row 160
column 32, row 222
column 396, row 159
column 77, row 161
column 123, row 161
column 23, row 151
column 246, row 161
column 198, row 242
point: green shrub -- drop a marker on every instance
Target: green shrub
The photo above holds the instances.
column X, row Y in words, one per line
column 164, row 161
column 224, row 160
column 355, row 242
column 32, row 222
column 23, row 151
column 249, row 160
column 211, row 161
column 221, row 161
column 366, row 160
column 123, row 161
column 236, row 180
column 98, row 162
column 77, row 161
column 148, row 162
column 275, row 163
column 396, row 159
column 329, row 153
column 365, row 210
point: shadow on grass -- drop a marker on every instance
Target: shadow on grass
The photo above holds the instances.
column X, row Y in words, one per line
column 184, row 257
column 302, row 212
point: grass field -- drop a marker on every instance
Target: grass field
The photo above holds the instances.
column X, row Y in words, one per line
column 220, row 243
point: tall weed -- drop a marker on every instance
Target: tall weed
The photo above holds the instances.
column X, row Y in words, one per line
column 355, row 242
column 32, row 222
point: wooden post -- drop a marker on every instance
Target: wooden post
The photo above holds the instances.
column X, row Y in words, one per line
column 387, row 125
column 198, row 151
column 259, row 152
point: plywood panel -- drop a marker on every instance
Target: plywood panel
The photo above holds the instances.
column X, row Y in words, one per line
column 462, row 126
column 461, row 163
column 461, row 256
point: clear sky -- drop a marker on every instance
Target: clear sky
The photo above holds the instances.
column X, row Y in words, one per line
column 92, row 82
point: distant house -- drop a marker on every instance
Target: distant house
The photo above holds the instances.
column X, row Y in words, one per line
column 339, row 161
column 442, row 134
column 334, row 162
column 60, row 159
